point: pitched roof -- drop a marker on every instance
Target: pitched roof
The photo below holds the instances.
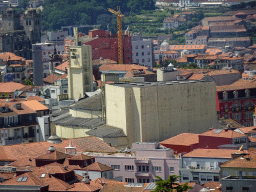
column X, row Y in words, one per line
column 212, row 185
column 211, row 153
column 240, row 84
column 116, row 186
column 79, row 122
column 37, row 98
column 188, row 47
column 5, row 56
column 63, row 66
column 96, row 166
column 222, row 133
column 90, row 103
column 10, row 87
column 248, row 129
column 83, row 187
column 80, row 157
column 56, row 155
column 35, row 105
column 246, row 161
column 51, row 78
column 121, row 67
column 196, row 77
column 83, row 144
column 106, row 131
column 31, row 179
column 185, row 139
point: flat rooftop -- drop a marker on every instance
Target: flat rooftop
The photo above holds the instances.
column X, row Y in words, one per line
column 160, row 83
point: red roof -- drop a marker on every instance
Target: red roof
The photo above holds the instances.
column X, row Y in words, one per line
column 185, row 139
column 63, row 67
column 10, row 87
column 96, row 166
column 211, row 153
column 222, row 133
column 121, row 67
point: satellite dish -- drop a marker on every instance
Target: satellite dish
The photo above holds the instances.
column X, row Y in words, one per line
column 8, row 77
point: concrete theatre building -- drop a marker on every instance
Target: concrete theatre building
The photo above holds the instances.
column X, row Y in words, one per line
column 156, row 111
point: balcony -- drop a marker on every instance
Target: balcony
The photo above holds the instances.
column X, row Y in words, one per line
column 202, row 168
column 142, row 174
column 142, row 160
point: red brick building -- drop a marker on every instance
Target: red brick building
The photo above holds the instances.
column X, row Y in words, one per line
column 105, row 45
column 237, row 101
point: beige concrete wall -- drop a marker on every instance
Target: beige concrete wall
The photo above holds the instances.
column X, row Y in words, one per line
column 80, row 71
column 167, row 75
column 70, row 132
column 155, row 113
column 85, row 113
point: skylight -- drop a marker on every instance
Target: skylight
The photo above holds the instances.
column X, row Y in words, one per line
column 22, row 179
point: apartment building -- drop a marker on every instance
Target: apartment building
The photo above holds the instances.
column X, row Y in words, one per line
column 146, row 161
column 142, row 51
column 23, row 122
column 236, row 101
column 203, row 165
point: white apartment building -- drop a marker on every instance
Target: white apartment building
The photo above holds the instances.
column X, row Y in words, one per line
column 142, row 51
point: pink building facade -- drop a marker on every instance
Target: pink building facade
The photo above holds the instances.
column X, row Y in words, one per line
column 145, row 161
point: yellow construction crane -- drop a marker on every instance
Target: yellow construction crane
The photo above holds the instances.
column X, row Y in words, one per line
column 119, row 16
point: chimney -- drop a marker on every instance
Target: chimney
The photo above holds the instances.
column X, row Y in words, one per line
column 76, row 38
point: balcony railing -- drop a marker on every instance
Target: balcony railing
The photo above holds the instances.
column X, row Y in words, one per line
column 142, row 174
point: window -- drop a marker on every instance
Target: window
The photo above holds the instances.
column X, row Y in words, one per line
column 105, row 175
column 143, row 180
column 229, row 188
column 142, row 53
column 18, row 76
column 216, row 178
column 243, row 140
column 143, row 168
column 136, row 47
column 171, row 169
column 137, row 54
column 203, row 178
column 148, row 46
column 116, row 167
column 137, row 60
column 209, row 178
column 52, row 91
column 3, row 96
column 185, row 177
column 245, row 189
column 65, row 91
column 129, row 180
column 156, row 169
column 143, row 60
column 129, row 167
column 148, row 60
column 142, row 46
column 10, row 96
column 148, row 53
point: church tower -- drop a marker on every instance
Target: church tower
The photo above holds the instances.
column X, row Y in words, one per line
column 32, row 25
column 80, row 77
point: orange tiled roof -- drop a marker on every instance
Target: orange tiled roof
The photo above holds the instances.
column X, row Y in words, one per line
column 56, row 155
column 116, row 186
column 31, row 180
column 186, row 139
column 252, row 139
column 248, row 129
column 96, row 166
column 247, row 161
column 104, row 61
column 24, row 162
column 240, row 84
column 5, row 56
column 80, row 157
column 51, row 78
column 121, row 67
column 83, row 144
column 182, row 47
column 35, row 105
column 37, row 98
column 224, row 133
column 10, row 87
column 212, row 185
column 211, row 153
column 63, row 66
column 196, row 77
column 83, row 187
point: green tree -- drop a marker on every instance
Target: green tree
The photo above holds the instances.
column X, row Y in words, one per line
column 28, row 82
column 170, row 184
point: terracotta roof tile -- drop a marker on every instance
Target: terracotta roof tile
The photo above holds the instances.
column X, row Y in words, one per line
column 212, row 185
column 80, row 157
column 63, row 66
column 35, row 105
column 188, row 47
column 240, row 84
column 84, row 187
column 224, row 133
column 10, row 87
column 7, row 176
column 121, row 67
column 56, row 155
column 182, row 139
column 196, row 77
column 83, row 144
column 211, row 153
column 51, row 78
column 248, row 129
column 96, row 166
column 5, row 56
column 31, row 180
column 115, row 186
column 37, row 98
